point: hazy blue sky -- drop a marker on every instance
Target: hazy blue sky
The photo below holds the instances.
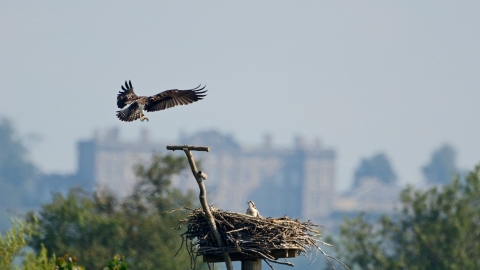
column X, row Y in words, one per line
column 395, row 76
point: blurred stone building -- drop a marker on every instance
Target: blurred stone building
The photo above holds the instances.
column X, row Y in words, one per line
column 296, row 181
column 106, row 161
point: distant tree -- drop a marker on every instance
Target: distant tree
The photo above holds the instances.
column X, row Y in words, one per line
column 14, row 241
column 435, row 229
column 442, row 166
column 15, row 171
column 98, row 227
column 377, row 166
column 12, row 244
column 15, row 166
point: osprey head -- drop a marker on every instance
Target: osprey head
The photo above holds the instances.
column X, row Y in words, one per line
column 251, row 203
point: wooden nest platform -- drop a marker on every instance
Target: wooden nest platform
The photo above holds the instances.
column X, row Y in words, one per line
column 249, row 238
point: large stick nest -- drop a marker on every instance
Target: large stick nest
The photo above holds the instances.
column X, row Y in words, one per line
column 252, row 236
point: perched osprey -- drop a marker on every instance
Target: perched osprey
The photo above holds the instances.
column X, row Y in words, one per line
column 252, row 210
column 164, row 100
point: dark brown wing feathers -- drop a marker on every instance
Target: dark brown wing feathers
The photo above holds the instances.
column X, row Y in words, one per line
column 126, row 96
column 164, row 100
column 171, row 98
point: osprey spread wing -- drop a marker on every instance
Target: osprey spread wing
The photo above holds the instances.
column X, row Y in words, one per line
column 164, row 100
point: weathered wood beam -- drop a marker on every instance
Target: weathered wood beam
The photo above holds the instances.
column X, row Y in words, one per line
column 203, row 196
column 237, row 256
column 189, row 147
column 252, row 265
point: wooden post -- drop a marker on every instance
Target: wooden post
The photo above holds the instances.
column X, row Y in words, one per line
column 203, row 196
column 252, row 265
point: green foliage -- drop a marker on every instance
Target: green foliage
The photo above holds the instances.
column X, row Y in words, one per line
column 95, row 228
column 377, row 166
column 67, row 263
column 154, row 186
column 12, row 242
column 442, row 166
column 117, row 263
column 39, row 261
column 435, row 229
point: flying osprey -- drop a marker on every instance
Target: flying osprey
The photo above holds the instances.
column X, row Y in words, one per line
column 164, row 100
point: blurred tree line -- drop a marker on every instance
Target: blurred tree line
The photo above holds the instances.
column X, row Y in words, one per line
column 138, row 226
column 94, row 228
column 439, row 171
column 14, row 241
column 377, row 166
column 435, row 229
column 441, row 167
column 16, row 173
